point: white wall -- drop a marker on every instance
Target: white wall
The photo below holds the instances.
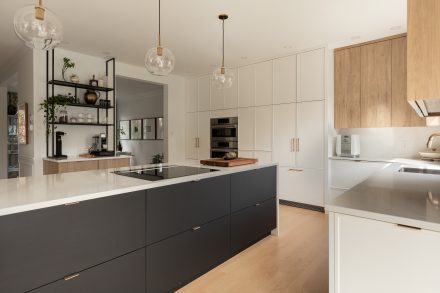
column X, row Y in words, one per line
column 21, row 66
column 146, row 105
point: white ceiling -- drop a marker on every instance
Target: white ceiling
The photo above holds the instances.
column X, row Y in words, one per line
column 256, row 30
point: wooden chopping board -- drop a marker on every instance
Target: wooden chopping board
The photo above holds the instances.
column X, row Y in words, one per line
column 219, row 162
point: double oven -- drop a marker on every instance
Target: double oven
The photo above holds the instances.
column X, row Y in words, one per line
column 224, row 136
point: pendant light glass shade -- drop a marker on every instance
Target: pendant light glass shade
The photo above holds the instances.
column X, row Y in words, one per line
column 38, row 27
column 159, row 60
column 222, row 76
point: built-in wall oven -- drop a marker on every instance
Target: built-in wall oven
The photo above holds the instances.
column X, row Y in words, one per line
column 224, row 136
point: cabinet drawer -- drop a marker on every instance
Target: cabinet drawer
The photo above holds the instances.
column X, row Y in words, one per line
column 251, row 187
column 45, row 245
column 124, row 274
column 178, row 260
column 178, row 208
column 252, row 224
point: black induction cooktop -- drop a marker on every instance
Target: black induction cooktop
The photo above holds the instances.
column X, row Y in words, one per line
column 166, row 172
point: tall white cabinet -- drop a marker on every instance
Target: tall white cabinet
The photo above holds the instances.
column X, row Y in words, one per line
column 280, row 106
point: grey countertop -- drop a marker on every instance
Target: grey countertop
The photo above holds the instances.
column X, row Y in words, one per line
column 404, row 198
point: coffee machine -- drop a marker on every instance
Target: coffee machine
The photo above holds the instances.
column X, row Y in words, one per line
column 99, row 146
column 59, row 145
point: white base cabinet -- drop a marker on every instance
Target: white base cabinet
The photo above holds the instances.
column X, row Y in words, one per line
column 301, row 185
column 373, row 256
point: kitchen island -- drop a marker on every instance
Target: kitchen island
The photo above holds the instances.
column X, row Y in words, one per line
column 385, row 232
column 97, row 231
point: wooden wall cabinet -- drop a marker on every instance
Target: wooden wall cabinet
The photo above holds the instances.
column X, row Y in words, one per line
column 348, row 88
column 370, row 85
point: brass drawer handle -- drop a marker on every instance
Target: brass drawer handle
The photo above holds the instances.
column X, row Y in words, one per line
column 68, row 278
column 258, row 204
column 71, row 203
column 196, row 228
column 296, row 170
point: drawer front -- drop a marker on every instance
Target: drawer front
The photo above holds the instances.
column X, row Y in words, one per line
column 178, row 260
column 252, row 224
column 45, row 245
column 251, row 187
column 178, row 208
column 124, row 274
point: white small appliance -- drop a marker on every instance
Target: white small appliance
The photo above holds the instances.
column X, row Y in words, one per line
column 348, row 146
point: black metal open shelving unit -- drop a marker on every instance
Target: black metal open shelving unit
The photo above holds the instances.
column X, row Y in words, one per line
column 110, row 65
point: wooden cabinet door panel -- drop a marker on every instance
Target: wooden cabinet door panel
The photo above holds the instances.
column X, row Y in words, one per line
column 403, row 115
column 46, row 245
column 251, row 187
column 178, row 260
column 348, row 88
column 376, row 84
column 124, row 274
column 176, row 208
column 252, row 224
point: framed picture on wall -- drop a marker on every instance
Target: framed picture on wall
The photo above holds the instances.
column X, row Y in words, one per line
column 124, row 129
column 159, row 128
column 149, row 129
column 23, row 124
column 136, row 129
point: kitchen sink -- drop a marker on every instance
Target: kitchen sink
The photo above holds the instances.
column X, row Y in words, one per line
column 419, row 170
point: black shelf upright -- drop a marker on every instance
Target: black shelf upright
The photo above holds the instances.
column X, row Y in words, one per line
column 51, row 82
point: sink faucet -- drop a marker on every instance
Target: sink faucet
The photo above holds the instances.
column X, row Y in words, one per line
column 431, row 140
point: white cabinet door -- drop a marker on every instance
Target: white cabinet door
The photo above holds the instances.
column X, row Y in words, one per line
column 204, row 95
column 231, row 94
column 345, row 174
column 310, row 133
column 284, row 80
column 263, row 128
column 217, row 98
column 284, row 132
column 204, row 127
column 380, row 257
column 191, row 136
column 264, row 83
column 263, row 157
column 310, row 74
column 302, row 185
column 191, row 95
column 246, row 154
column 246, row 129
column 246, row 86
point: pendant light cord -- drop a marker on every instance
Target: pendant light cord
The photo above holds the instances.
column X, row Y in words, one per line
column 159, row 24
column 40, row 3
column 223, row 56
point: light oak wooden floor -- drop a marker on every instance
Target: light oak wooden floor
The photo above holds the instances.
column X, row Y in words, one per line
column 294, row 262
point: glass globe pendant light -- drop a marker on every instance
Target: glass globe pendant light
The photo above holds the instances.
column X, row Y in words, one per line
column 222, row 76
column 159, row 60
column 38, row 27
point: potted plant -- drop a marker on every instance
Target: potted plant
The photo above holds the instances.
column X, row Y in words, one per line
column 158, row 159
column 51, row 106
column 67, row 63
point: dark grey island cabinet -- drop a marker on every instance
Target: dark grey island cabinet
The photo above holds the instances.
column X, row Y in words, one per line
column 156, row 240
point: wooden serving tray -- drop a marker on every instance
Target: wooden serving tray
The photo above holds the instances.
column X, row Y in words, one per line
column 219, row 162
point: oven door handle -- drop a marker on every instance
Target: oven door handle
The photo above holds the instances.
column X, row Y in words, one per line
column 223, row 126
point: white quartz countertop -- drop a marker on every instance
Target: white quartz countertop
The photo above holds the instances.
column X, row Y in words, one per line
column 31, row 193
column 80, row 159
column 411, row 199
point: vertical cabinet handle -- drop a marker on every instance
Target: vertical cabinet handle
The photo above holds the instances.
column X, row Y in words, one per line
column 297, row 145
column 195, row 142
column 293, row 145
